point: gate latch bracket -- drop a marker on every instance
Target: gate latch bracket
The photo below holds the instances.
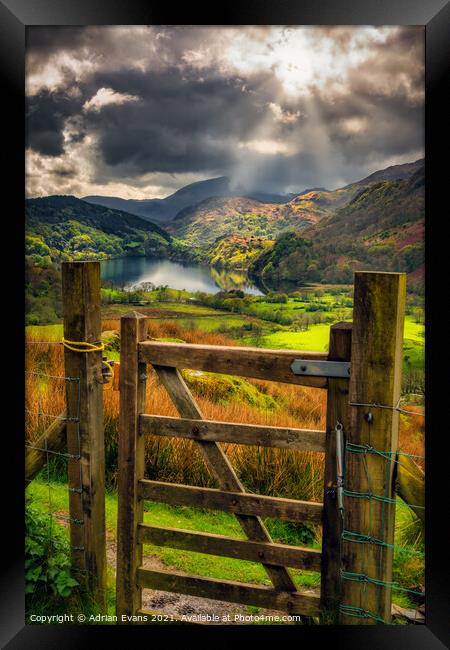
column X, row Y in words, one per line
column 312, row 368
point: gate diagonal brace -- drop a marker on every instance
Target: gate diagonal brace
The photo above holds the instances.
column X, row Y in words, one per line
column 321, row 368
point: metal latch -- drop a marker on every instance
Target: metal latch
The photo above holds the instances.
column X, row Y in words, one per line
column 321, row 368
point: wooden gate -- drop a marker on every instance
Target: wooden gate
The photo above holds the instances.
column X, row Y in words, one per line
column 374, row 380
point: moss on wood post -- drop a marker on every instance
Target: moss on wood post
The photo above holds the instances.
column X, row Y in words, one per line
column 85, row 441
column 131, row 463
column 376, row 363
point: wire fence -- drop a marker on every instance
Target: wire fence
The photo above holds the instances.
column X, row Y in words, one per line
column 48, row 393
column 46, row 403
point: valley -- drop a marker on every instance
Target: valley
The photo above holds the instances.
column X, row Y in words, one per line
column 315, row 236
column 225, row 324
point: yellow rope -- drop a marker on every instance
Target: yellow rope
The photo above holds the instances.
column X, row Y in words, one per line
column 77, row 346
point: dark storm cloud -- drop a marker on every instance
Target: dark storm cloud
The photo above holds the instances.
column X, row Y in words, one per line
column 182, row 110
column 363, row 124
column 180, row 122
column 47, row 113
column 64, row 172
column 396, row 67
column 42, row 41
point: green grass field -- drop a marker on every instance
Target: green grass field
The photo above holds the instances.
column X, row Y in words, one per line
column 54, row 497
column 206, row 521
column 316, row 338
column 271, row 334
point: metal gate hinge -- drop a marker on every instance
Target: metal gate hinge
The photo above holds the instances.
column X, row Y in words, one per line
column 321, row 368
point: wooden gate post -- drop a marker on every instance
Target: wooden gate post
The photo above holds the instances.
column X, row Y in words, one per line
column 131, row 463
column 337, row 411
column 375, row 383
column 85, row 441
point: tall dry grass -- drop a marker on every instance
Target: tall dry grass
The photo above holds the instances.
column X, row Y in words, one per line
column 44, row 384
column 278, row 472
column 412, row 433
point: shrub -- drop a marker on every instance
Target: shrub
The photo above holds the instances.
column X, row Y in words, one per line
column 47, row 559
column 280, row 298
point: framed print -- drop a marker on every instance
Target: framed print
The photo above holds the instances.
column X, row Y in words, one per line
column 232, row 360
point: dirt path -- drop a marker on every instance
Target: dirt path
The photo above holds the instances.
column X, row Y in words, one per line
column 180, row 605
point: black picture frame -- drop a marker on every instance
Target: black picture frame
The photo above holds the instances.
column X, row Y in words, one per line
column 15, row 16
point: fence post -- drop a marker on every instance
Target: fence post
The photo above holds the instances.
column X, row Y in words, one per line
column 131, row 463
column 85, row 441
column 376, row 363
column 337, row 411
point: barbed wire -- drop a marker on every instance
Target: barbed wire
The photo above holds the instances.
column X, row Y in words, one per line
column 390, row 407
column 39, row 373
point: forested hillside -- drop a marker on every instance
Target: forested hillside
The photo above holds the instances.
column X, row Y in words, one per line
column 380, row 228
column 60, row 228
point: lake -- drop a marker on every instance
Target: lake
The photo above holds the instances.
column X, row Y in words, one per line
column 130, row 272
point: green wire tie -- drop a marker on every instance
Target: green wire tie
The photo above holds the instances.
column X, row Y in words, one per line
column 362, row 577
column 359, row 612
column 358, row 538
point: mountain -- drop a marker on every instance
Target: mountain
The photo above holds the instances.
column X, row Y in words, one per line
column 64, row 227
column 202, row 224
column 163, row 210
column 316, row 235
column 394, row 172
column 228, row 232
column 265, row 197
column 225, row 231
column 380, row 228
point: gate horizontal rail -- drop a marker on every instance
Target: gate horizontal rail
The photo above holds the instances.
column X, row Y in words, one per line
column 233, row 592
column 232, row 432
column 212, row 544
column 271, row 365
column 242, row 503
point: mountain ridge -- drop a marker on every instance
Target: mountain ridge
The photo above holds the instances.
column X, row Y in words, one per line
column 166, row 209
column 63, row 227
column 317, row 235
column 219, row 218
column 381, row 227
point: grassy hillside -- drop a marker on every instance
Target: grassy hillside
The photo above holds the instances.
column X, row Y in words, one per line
column 236, row 251
column 63, row 227
column 380, row 228
column 221, row 227
column 233, row 232
column 316, row 236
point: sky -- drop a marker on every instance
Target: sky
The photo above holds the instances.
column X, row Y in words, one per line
column 140, row 111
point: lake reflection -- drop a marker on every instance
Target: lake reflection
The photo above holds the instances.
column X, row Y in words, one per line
column 129, row 272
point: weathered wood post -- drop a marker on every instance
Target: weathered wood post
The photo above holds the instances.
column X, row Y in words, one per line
column 85, row 441
column 133, row 329
column 375, row 383
column 337, row 411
